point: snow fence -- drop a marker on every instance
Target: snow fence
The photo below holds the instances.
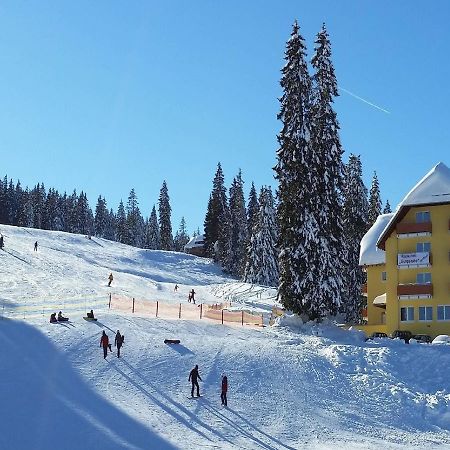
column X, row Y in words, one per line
column 187, row 311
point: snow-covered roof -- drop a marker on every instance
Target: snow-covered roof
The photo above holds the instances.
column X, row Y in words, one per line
column 380, row 300
column 369, row 253
column 432, row 189
column 196, row 241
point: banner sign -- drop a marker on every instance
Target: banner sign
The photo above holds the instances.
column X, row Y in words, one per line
column 413, row 259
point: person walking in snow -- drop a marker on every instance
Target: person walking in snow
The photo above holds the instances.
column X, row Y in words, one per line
column 118, row 342
column 194, row 376
column 35, row 246
column 1, row 241
column 175, row 288
column 192, row 295
column 104, row 342
column 223, row 395
column 110, row 278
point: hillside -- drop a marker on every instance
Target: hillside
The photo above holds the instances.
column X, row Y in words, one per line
column 291, row 386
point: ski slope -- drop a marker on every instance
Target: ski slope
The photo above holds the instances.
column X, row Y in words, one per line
column 291, row 386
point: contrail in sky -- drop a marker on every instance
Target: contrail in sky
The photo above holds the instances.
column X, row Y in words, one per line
column 365, row 101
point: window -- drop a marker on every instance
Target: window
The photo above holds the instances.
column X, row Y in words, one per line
column 422, row 216
column 423, row 278
column 407, row 314
column 383, row 276
column 443, row 312
column 425, row 313
column 424, row 247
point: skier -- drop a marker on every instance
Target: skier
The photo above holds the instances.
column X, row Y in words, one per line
column 118, row 342
column 223, row 395
column 35, row 246
column 53, row 318
column 192, row 294
column 104, row 342
column 110, row 278
column 193, row 376
column 61, row 318
column 175, row 288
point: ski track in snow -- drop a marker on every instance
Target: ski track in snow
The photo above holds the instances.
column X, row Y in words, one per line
column 288, row 389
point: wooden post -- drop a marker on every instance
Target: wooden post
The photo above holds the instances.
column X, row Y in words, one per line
column 133, row 304
column 179, row 313
column 242, row 319
column 109, row 306
column 201, row 307
column 222, row 316
column 157, row 305
column 262, row 319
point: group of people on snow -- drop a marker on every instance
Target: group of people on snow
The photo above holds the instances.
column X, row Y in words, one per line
column 194, row 376
column 118, row 342
column 191, row 296
column 60, row 318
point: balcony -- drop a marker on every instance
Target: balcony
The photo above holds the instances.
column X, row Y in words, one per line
column 414, row 290
column 413, row 228
column 411, row 260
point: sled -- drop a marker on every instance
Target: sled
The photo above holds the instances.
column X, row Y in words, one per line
column 64, row 319
column 90, row 319
column 171, row 341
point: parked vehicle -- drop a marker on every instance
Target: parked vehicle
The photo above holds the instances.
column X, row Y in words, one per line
column 442, row 339
column 422, row 338
column 402, row 334
column 376, row 335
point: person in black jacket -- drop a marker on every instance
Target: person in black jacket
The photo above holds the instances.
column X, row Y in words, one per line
column 194, row 376
column 118, row 342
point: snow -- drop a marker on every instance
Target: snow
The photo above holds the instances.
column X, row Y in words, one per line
column 369, row 253
column 291, row 386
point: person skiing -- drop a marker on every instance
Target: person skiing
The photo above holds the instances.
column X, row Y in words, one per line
column 118, row 342
column 35, row 246
column 223, row 395
column 104, row 342
column 194, row 376
column 175, row 288
column 110, row 278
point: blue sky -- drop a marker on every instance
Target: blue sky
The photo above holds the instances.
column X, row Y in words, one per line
column 109, row 95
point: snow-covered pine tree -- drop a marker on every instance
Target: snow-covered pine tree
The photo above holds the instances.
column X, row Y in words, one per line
column 3, row 190
column 235, row 263
column 298, row 228
column 355, row 226
column 374, row 201
column 84, row 215
column 72, row 213
column 217, row 206
column 165, row 224
column 327, row 296
column 38, row 195
column 262, row 260
column 121, row 224
column 135, row 222
column 101, row 218
column 153, row 240
column 252, row 209
column 181, row 237
column 387, row 208
column 26, row 213
column 110, row 231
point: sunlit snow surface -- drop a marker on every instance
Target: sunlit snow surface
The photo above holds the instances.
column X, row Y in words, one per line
column 292, row 386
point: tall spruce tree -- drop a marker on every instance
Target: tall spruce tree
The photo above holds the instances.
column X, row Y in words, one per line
column 252, row 209
column 216, row 216
column 135, row 222
column 374, row 201
column 387, row 208
column 165, row 224
column 153, row 238
column 326, row 297
column 298, row 227
column 262, row 261
column 101, row 218
column 181, row 237
column 355, row 226
column 121, row 224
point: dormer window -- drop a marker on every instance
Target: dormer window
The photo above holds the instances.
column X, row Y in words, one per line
column 422, row 216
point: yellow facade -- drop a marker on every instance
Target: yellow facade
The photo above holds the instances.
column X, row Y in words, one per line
column 416, row 295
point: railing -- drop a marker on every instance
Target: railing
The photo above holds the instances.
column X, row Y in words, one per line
column 410, row 228
column 415, row 289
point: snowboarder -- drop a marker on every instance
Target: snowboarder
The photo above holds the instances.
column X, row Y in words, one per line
column 192, row 294
column 118, row 342
column 223, row 395
column 61, row 318
column 194, row 376
column 104, row 342
column 53, row 318
column 110, row 278
column 35, row 246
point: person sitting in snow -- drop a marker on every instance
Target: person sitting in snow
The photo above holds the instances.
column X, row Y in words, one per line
column 61, row 318
column 53, row 318
column 90, row 315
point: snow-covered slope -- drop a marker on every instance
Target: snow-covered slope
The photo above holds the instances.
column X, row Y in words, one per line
column 291, row 386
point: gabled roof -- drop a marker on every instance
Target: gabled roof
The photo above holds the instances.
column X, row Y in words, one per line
column 369, row 253
column 432, row 189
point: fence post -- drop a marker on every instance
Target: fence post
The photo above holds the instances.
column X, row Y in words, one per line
column 109, row 306
column 133, row 304
column 222, row 316
column 262, row 319
column 157, row 305
column 179, row 313
column 242, row 319
column 201, row 307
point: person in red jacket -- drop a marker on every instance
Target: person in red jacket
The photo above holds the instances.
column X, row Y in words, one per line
column 223, row 395
column 104, row 342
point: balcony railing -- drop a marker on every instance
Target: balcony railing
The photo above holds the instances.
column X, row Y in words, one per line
column 415, row 289
column 411, row 228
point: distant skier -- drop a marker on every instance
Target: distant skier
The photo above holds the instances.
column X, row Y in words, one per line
column 35, row 246
column 118, row 342
column 223, row 395
column 110, row 278
column 104, row 342
column 194, row 376
column 192, row 295
column 175, row 288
